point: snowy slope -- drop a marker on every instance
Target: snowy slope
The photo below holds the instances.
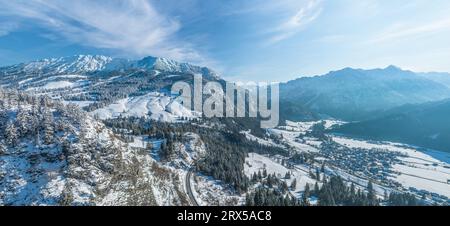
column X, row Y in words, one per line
column 255, row 163
column 72, row 159
column 82, row 64
column 153, row 105
column 74, row 64
column 111, row 86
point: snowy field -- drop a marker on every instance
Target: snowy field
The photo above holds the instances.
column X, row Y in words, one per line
column 261, row 141
column 290, row 138
column 153, row 105
column 255, row 163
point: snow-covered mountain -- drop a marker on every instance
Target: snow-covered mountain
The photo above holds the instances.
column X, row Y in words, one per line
column 73, row 64
column 163, row 64
column 96, row 130
column 82, row 64
column 57, row 154
column 106, row 85
column 53, row 154
column 355, row 94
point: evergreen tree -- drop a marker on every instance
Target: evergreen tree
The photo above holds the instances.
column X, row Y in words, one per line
column 402, row 199
column 3, row 120
column 316, row 188
column 49, row 130
column 306, row 195
column 317, row 174
column 254, row 177
column 2, row 148
column 287, row 175
column 22, row 121
column 11, row 135
column 371, row 196
column 294, row 184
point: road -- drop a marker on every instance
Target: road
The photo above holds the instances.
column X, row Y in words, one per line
column 189, row 189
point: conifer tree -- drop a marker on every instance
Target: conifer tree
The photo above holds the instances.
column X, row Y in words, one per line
column 11, row 135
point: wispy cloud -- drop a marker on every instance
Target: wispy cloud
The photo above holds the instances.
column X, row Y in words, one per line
column 133, row 27
column 402, row 31
column 305, row 15
column 6, row 28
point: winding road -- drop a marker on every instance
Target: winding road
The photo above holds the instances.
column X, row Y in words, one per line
column 189, row 189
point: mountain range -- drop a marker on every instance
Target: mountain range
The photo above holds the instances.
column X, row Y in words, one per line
column 356, row 94
column 108, row 86
column 94, row 63
column 98, row 130
column 424, row 125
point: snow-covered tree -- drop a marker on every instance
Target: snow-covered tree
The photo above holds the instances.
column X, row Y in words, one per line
column 3, row 120
column 23, row 121
column 2, row 148
column 11, row 135
column 49, row 130
column 294, row 184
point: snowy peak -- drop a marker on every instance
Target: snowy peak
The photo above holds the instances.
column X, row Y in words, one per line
column 136, row 87
column 147, row 62
column 392, row 68
column 72, row 64
column 81, row 64
column 352, row 93
column 164, row 64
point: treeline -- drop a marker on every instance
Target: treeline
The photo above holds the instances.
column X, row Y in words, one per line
column 333, row 192
column 402, row 199
column 272, row 191
column 269, row 197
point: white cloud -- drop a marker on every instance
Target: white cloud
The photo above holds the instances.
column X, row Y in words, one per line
column 6, row 28
column 134, row 27
column 305, row 15
column 402, row 31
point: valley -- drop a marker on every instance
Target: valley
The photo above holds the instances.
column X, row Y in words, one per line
column 96, row 130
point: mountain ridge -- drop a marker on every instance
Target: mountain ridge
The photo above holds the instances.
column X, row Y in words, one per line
column 101, row 82
column 95, row 63
column 353, row 94
column 424, row 125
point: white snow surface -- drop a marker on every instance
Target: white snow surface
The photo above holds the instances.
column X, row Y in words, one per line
column 256, row 162
column 153, row 105
column 58, row 85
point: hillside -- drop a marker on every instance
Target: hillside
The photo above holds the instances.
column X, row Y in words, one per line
column 96, row 130
column 355, row 94
column 425, row 125
column 108, row 86
column 56, row 154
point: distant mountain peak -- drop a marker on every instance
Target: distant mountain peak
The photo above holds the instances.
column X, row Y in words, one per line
column 70, row 64
column 79, row 64
column 393, row 68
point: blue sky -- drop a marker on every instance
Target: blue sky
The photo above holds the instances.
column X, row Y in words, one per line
column 258, row 40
